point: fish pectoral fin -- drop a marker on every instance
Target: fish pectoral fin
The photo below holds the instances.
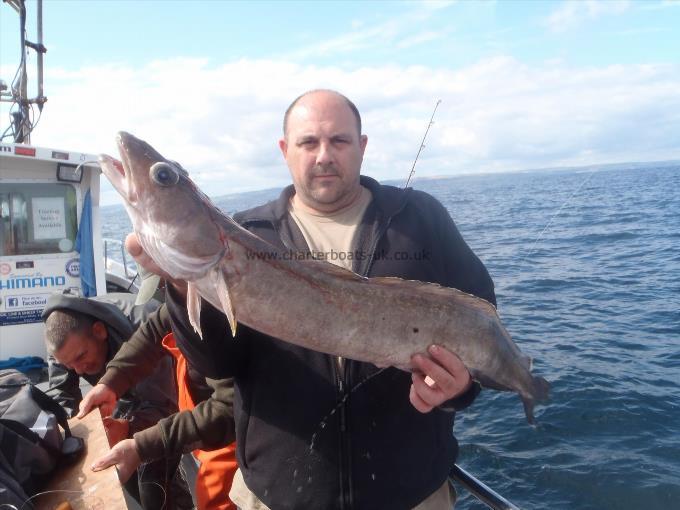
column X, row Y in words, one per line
column 194, row 308
column 225, row 299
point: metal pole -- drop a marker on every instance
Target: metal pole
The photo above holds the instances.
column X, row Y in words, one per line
column 41, row 98
column 480, row 490
column 23, row 134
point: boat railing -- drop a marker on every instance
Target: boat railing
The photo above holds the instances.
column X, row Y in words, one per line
column 480, row 490
column 116, row 257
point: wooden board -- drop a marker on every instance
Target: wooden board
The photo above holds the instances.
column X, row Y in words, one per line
column 77, row 484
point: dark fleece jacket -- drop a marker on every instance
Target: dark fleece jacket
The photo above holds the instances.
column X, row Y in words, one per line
column 306, row 437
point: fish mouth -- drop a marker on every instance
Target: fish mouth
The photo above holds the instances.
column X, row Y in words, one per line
column 119, row 171
column 114, row 170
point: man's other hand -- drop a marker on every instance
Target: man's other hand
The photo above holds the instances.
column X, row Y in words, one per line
column 437, row 378
column 124, row 456
column 134, row 248
column 100, row 396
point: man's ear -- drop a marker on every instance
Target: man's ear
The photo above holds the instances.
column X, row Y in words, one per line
column 283, row 145
column 99, row 330
column 363, row 140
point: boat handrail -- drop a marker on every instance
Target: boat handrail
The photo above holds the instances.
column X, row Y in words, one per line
column 480, row 490
column 118, row 245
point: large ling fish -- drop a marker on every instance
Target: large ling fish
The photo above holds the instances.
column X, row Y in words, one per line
column 258, row 285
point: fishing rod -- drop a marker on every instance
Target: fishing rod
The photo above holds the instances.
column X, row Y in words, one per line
column 475, row 486
column 422, row 144
column 547, row 226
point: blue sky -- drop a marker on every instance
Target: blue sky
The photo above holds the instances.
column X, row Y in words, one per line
column 365, row 33
column 523, row 84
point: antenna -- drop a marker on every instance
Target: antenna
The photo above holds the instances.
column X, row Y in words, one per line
column 422, row 143
column 17, row 92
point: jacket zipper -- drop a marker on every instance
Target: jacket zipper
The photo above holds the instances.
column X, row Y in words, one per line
column 342, row 432
column 379, row 235
column 375, row 245
column 340, row 379
column 342, row 382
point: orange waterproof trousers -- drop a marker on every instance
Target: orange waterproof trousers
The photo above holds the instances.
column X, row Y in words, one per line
column 217, row 469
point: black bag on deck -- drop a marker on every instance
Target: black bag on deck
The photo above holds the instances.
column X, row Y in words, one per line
column 31, row 444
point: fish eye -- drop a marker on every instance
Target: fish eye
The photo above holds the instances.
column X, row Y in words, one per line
column 164, row 174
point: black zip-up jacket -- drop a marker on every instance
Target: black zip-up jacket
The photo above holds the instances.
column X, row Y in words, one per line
column 305, row 440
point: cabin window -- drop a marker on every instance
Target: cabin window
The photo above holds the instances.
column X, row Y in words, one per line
column 37, row 218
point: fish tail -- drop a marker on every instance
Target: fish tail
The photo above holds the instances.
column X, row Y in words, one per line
column 529, row 409
column 540, row 390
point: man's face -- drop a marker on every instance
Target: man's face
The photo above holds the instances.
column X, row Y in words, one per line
column 324, row 151
column 84, row 352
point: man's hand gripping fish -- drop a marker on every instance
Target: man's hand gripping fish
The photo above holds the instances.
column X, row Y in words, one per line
column 309, row 303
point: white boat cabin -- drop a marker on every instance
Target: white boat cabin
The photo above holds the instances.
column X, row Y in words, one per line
column 42, row 192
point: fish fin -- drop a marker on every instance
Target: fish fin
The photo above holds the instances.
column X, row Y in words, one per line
column 225, row 299
column 194, row 308
column 332, row 270
column 529, row 410
column 389, row 280
column 540, row 389
column 438, row 292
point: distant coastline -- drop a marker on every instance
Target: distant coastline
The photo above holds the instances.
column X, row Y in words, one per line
column 264, row 195
column 630, row 165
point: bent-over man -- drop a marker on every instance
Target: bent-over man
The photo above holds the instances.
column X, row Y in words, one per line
column 82, row 335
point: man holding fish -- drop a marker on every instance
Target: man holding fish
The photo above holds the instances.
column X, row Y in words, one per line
column 318, row 430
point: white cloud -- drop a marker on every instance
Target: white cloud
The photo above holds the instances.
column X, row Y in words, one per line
column 572, row 13
column 222, row 121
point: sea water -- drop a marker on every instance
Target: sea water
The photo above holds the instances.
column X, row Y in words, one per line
column 587, row 272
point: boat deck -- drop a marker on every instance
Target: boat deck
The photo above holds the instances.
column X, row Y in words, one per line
column 77, row 484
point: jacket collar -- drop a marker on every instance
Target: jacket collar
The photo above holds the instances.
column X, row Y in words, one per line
column 388, row 200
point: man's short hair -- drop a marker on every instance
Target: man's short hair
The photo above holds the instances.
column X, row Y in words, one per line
column 351, row 105
column 60, row 324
